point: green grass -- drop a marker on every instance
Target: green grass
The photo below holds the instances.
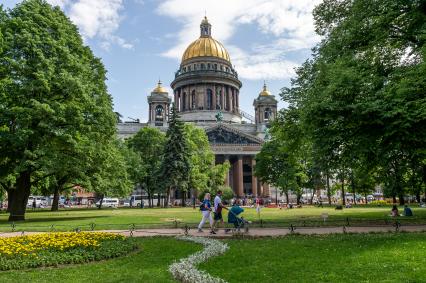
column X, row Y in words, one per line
column 331, row 258
column 296, row 258
column 159, row 217
column 148, row 265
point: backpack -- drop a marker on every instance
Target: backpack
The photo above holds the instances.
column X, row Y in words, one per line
column 202, row 206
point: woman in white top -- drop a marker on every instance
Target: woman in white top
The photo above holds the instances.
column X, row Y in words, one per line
column 205, row 208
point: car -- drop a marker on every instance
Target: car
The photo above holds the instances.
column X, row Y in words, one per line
column 40, row 201
column 108, row 202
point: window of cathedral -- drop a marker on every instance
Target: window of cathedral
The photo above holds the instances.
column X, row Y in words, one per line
column 215, row 66
column 221, row 67
column 209, row 99
column 159, row 113
column 227, row 69
column 184, row 69
column 208, row 66
column 268, row 113
column 195, row 67
column 184, row 101
column 193, row 99
column 189, row 68
column 203, row 66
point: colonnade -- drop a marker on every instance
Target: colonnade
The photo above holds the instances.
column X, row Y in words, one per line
column 207, row 97
column 257, row 189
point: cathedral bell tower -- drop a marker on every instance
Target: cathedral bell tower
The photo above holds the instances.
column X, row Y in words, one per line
column 265, row 107
column 159, row 106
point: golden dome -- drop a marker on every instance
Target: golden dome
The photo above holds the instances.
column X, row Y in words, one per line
column 205, row 46
column 265, row 91
column 159, row 88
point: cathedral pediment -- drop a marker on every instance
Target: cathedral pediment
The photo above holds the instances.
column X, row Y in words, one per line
column 222, row 134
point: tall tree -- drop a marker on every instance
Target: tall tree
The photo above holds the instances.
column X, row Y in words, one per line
column 360, row 95
column 53, row 96
column 148, row 144
column 175, row 168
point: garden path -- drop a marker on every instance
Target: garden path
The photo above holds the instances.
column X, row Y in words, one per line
column 253, row 232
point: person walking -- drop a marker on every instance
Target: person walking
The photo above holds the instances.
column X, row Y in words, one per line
column 205, row 208
column 217, row 210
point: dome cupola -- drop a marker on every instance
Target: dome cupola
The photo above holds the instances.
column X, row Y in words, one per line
column 205, row 45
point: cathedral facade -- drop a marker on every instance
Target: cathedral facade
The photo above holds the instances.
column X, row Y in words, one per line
column 206, row 92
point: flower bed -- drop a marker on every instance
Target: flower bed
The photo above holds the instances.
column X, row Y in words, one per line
column 186, row 271
column 53, row 249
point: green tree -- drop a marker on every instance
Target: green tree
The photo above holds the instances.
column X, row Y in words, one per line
column 175, row 167
column 360, row 95
column 148, row 144
column 53, row 97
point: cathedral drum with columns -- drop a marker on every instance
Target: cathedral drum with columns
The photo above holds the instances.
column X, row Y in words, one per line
column 207, row 86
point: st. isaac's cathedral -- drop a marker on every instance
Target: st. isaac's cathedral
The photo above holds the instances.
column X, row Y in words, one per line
column 206, row 92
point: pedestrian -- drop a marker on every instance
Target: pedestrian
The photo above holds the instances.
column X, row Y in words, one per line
column 206, row 209
column 34, row 204
column 217, row 211
column 394, row 211
column 407, row 211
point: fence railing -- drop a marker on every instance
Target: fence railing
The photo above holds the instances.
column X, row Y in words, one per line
column 291, row 224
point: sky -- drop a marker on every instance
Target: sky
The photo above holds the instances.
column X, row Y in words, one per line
column 142, row 41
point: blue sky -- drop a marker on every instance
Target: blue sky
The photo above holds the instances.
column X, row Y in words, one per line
column 141, row 41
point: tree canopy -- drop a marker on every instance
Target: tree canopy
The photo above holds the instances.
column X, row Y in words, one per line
column 56, row 115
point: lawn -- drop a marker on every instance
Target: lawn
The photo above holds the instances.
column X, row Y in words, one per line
column 331, row 258
column 148, row 265
column 122, row 218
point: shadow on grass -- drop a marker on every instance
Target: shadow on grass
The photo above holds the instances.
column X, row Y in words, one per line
column 52, row 219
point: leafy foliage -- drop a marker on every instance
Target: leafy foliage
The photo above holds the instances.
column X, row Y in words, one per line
column 56, row 116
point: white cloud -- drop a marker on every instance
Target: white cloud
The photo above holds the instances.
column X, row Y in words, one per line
column 96, row 19
column 60, row 3
column 289, row 23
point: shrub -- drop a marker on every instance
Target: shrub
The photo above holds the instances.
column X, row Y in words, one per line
column 378, row 203
column 54, row 249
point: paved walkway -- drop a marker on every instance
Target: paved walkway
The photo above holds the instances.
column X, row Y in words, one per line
column 253, row 232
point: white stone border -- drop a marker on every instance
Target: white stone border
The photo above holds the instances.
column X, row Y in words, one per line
column 185, row 270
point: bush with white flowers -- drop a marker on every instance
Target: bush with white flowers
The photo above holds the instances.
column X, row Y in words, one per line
column 185, row 270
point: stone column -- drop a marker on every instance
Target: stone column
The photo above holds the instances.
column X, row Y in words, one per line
column 240, row 188
column 214, row 100
column 234, row 103
column 222, row 97
column 253, row 177
column 190, row 99
column 266, row 192
column 260, row 190
column 229, row 103
column 227, row 173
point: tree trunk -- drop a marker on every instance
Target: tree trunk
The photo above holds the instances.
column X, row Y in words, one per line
column 158, row 200
column 298, row 196
column 10, row 194
column 167, row 199
column 394, row 198
column 353, row 189
column 418, row 196
column 149, row 199
column 101, row 201
column 328, row 189
column 401, row 199
column 343, row 191
column 55, row 203
column 20, row 197
column 286, row 197
column 183, row 198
